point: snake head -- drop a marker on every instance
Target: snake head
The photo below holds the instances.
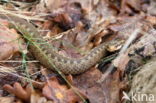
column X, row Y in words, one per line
column 115, row 45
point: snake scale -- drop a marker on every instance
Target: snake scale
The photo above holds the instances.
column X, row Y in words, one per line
column 49, row 57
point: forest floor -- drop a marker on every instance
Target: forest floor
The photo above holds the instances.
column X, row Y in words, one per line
column 75, row 27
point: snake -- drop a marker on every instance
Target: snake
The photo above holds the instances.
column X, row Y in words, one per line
column 49, row 57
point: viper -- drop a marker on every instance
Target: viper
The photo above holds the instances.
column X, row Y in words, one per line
column 48, row 56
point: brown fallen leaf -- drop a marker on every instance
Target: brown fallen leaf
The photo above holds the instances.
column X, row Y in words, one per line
column 127, row 24
column 6, row 99
column 10, row 41
column 51, row 30
column 121, row 62
column 126, row 5
column 87, row 82
column 151, row 19
column 19, row 91
column 105, row 92
column 49, row 5
column 37, row 97
column 61, row 93
column 113, row 87
column 151, row 8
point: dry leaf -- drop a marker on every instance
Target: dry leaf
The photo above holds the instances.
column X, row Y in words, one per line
column 127, row 24
column 61, row 93
column 121, row 62
column 87, row 82
column 19, row 91
column 126, row 5
column 151, row 19
column 36, row 97
column 6, row 99
column 10, row 42
column 106, row 92
column 49, row 5
column 152, row 8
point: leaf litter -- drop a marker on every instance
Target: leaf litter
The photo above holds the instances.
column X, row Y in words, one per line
column 75, row 27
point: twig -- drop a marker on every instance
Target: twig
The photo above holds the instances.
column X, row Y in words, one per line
column 123, row 50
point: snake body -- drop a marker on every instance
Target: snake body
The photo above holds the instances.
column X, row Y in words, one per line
column 47, row 56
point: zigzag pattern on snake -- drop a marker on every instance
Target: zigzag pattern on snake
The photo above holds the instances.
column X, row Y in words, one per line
column 48, row 56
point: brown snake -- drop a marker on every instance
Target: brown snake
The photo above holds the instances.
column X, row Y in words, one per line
column 49, row 57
